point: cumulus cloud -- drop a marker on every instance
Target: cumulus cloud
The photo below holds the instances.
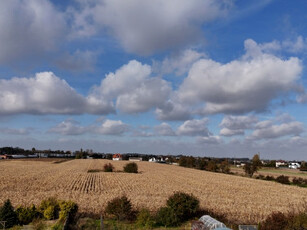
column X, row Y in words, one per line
column 164, row 129
column 235, row 125
column 107, row 127
column 173, row 111
column 179, row 63
column 240, row 86
column 29, row 29
column 209, row 140
column 134, row 89
column 46, row 94
column 69, row 127
column 194, row 128
column 111, row 127
column 275, row 131
column 147, row 27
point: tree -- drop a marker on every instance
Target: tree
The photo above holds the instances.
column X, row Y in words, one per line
column 212, row 166
column 225, row 168
column 8, row 214
column 251, row 168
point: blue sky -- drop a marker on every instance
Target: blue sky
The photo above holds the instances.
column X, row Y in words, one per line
column 223, row 78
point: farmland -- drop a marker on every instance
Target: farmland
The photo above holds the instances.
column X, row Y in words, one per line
column 242, row 200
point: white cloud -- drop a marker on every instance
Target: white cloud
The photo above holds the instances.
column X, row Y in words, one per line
column 164, row 129
column 111, row 127
column 107, row 127
column 214, row 140
column 295, row 46
column 135, row 91
column 244, row 85
column 69, row 127
column 46, row 94
column 173, row 111
column 194, row 128
column 235, row 125
column 179, row 63
column 231, row 132
column 152, row 93
column 151, row 26
column 275, row 131
column 29, row 29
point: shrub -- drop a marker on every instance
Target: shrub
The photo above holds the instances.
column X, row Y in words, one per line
column 108, row 167
column 167, row 217
column 144, row 219
column 121, row 208
column 276, row 221
column 8, row 214
column 297, row 222
column 68, row 209
column 26, row 214
column 269, row 178
column 50, row 208
column 131, row 168
column 298, row 181
column 184, row 205
column 283, row 179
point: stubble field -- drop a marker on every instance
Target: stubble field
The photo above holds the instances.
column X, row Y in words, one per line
column 242, row 200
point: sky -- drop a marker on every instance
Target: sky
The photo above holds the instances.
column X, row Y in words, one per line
column 218, row 78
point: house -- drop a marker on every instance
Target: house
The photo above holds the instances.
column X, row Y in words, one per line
column 281, row 163
column 135, row 158
column 294, row 165
column 117, row 157
column 5, row 156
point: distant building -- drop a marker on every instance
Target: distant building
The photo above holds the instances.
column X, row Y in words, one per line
column 117, row 157
column 280, row 163
column 135, row 158
column 294, row 165
column 5, row 156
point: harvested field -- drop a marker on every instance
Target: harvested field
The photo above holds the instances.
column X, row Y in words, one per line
column 242, row 200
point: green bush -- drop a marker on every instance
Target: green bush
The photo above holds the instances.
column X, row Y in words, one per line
column 26, row 214
column 8, row 214
column 131, row 168
column 184, row 205
column 50, row 208
column 283, row 179
column 145, row 219
column 167, row 217
column 68, row 209
column 108, row 167
column 121, row 208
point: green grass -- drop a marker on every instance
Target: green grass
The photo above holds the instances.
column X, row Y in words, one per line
column 283, row 171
